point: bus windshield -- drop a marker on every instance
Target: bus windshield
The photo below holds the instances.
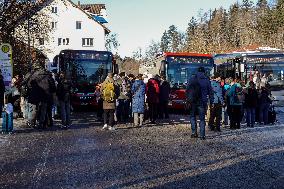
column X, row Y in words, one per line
column 86, row 68
column 180, row 69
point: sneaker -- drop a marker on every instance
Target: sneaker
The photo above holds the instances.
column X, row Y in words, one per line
column 202, row 138
column 105, row 127
column 111, row 128
column 194, row 136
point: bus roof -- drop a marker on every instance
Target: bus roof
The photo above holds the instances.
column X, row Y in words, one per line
column 187, row 54
column 83, row 51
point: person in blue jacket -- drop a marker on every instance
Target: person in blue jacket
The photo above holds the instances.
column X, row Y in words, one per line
column 138, row 100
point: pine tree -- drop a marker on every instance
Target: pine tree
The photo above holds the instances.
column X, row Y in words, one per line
column 165, row 42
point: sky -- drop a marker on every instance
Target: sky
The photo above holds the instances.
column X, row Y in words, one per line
column 137, row 22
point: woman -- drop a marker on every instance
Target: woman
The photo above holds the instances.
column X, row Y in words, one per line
column 265, row 102
column 138, row 100
column 250, row 104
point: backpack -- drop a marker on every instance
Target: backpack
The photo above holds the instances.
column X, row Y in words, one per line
column 108, row 92
column 239, row 97
column 193, row 92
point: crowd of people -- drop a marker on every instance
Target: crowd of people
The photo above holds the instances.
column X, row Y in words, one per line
column 228, row 101
column 37, row 95
column 122, row 98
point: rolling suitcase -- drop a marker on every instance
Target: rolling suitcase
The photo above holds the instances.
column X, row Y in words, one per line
column 7, row 122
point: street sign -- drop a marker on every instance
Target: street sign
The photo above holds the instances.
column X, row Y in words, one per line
column 6, row 66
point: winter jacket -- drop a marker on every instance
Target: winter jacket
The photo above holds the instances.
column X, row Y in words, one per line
column 251, row 98
column 63, row 90
column 232, row 95
column 216, row 96
column 138, row 99
column 110, row 105
column 125, row 88
column 165, row 89
column 152, row 91
column 205, row 86
column 264, row 97
column 41, row 87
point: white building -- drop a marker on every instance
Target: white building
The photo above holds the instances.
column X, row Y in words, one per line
column 70, row 28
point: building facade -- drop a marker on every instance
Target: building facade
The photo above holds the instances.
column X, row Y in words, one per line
column 69, row 27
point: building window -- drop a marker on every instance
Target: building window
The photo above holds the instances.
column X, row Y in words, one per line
column 41, row 41
column 87, row 42
column 54, row 25
column 54, row 9
column 65, row 41
column 78, row 25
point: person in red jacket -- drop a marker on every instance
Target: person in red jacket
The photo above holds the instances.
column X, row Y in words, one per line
column 152, row 92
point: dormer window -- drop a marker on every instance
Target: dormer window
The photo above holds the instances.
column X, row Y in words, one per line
column 54, row 9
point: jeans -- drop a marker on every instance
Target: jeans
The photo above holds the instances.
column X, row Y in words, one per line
column 123, row 110
column 193, row 113
column 236, row 114
column 31, row 113
column 42, row 114
column 153, row 111
column 250, row 116
column 109, row 117
column 263, row 113
column 65, row 112
column 225, row 116
column 163, row 110
column 215, row 116
column 138, row 119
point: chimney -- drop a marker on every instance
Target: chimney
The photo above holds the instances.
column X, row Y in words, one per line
column 79, row 4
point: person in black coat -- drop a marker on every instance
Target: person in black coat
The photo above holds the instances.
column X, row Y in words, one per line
column 164, row 98
column 63, row 94
column 251, row 100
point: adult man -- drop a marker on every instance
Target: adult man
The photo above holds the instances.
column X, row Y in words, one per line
column 152, row 93
column 164, row 98
column 109, row 91
column 63, row 95
column 236, row 101
column 124, row 98
column 216, row 103
column 42, row 87
column 198, row 90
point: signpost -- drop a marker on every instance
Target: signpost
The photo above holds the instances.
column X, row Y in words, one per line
column 6, row 65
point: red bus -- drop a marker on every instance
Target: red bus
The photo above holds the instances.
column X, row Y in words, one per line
column 178, row 68
column 85, row 68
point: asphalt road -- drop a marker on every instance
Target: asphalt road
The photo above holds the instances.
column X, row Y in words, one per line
column 154, row 156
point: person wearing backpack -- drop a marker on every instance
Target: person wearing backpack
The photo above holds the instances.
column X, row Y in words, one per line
column 109, row 92
column 197, row 93
column 152, row 92
column 236, row 98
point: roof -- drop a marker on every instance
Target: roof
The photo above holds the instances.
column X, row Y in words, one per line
column 93, row 8
column 187, row 54
column 43, row 3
